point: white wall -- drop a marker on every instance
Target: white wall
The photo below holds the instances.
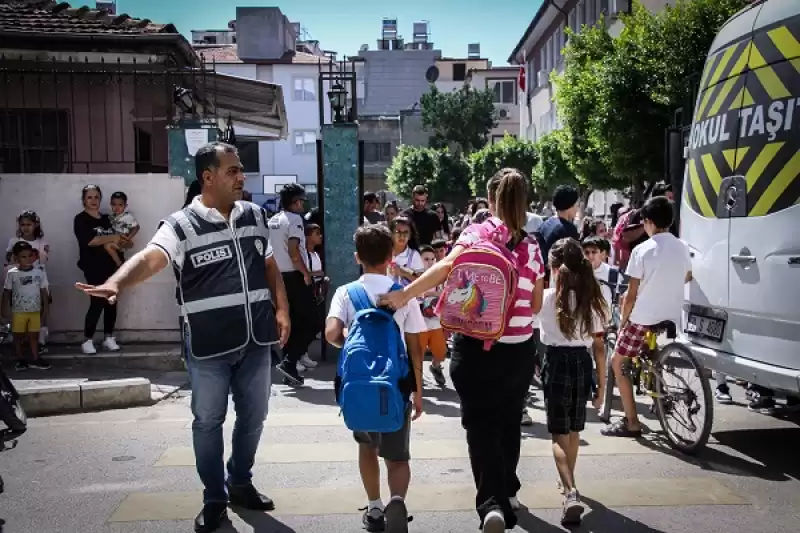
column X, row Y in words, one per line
column 148, row 312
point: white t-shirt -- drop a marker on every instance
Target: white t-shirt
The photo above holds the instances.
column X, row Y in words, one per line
column 551, row 334
column 533, row 223
column 167, row 241
column 282, row 227
column 602, row 273
column 408, row 318
column 26, row 289
column 661, row 263
column 409, row 259
column 40, row 245
column 314, row 262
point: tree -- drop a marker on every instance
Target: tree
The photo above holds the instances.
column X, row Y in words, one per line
column 460, row 120
column 445, row 174
column 510, row 152
column 551, row 169
column 617, row 96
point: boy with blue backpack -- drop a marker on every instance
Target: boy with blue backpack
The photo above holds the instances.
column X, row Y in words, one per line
column 379, row 376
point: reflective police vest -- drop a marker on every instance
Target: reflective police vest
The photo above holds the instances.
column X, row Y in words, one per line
column 222, row 284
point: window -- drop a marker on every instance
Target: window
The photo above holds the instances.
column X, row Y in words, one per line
column 248, row 155
column 503, row 91
column 210, row 39
column 305, row 142
column 377, row 151
column 572, row 20
column 581, row 9
column 542, row 62
column 459, row 71
column 33, row 141
column 304, row 90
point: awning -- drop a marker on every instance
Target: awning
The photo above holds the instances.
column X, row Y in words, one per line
column 251, row 103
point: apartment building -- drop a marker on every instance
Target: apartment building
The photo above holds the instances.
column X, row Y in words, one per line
column 262, row 44
column 539, row 51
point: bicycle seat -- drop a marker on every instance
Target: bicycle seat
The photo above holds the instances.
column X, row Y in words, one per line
column 667, row 326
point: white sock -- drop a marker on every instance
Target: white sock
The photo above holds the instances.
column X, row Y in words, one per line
column 400, row 498
column 375, row 504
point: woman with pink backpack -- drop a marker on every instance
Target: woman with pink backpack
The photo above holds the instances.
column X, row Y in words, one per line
column 493, row 284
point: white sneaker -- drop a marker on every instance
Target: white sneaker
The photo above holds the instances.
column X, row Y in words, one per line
column 514, row 501
column 307, row 362
column 110, row 344
column 88, row 347
column 494, row 522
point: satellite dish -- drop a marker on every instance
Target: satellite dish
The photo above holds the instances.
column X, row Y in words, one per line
column 432, row 74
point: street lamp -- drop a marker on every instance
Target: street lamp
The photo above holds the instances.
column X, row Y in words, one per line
column 183, row 99
column 337, row 97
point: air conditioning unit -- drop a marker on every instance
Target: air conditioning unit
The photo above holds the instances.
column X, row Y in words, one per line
column 542, row 78
column 618, row 7
column 503, row 114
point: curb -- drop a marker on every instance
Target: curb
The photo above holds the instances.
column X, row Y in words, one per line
column 39, row 400
column 160, row 360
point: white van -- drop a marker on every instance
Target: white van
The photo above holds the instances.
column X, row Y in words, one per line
column 740, row 209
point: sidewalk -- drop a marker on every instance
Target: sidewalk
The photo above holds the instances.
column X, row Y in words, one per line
column 136, row 375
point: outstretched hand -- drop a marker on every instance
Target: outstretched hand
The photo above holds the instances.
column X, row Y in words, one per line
column 394, row 299
column 107, row 290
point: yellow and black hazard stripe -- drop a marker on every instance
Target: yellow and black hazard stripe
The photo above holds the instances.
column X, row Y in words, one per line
column 746, row 75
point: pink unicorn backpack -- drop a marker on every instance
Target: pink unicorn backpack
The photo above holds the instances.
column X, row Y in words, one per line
column 481, row 287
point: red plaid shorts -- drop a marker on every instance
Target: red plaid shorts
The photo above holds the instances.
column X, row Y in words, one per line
column 631, row 339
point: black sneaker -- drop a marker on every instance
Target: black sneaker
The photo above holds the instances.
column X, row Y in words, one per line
column 438, row 375
column 397, row 518
column 762, row 404
column 373, row 519
column 42, row 349
column 247, row 497
column 211, row 517
column 21, row 366
column 289, row 371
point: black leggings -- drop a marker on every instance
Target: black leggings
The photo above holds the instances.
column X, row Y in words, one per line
column 303, row 314
column 98, row 306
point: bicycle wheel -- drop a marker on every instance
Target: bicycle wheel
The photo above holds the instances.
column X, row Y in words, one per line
column 685, row 412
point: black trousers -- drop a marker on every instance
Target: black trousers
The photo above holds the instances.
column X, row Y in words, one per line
column 303, row 315
column 492, row 386
column 98, row 306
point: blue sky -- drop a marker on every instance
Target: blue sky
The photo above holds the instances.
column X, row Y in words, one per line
column 344, row 25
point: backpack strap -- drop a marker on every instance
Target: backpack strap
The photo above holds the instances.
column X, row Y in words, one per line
column 358, row 296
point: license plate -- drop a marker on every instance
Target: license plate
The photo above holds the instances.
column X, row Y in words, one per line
column 703, row 326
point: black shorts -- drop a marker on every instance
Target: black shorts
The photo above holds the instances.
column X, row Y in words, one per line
column 390, row 446
column 567, row 382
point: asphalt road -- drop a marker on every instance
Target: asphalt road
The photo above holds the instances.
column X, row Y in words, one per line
column 131, row 471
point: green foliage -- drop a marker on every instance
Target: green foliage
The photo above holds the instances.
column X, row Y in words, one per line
column 616, row 96
column 445, row 174
column 459, row 119
column 510, row 152
column 551, row 169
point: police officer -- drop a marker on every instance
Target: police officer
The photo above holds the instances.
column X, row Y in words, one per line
column 234, row 304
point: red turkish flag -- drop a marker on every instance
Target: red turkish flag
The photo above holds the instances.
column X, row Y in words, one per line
column 522, row 78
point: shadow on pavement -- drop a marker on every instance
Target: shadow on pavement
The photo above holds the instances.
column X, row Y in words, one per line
column 260, row 522
column 773, row 453
column 601, row 519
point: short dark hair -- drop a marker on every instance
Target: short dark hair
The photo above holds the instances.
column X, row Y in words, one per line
column 373, row 244
column 564, row 197
column 291, row 192
column 311, row 228
column 119, row 195
column 426, row 248
column 370, row 197
column 21, row 246
column 661, row 189
column 436, row 244
column 207, row 157
column 593, row 241
column 659, row 211
column 419, row 189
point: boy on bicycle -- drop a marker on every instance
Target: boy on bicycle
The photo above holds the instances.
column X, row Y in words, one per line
column 658, row 269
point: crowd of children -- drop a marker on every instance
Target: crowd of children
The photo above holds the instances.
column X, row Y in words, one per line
column 571, row 316
column 26, row 295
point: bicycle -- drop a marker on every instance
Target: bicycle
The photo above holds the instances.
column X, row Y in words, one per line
column 654, row 373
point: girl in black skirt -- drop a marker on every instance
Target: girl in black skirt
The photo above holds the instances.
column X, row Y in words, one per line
column 573, row 312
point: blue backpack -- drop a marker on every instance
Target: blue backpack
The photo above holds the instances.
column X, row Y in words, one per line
column 373, row 368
